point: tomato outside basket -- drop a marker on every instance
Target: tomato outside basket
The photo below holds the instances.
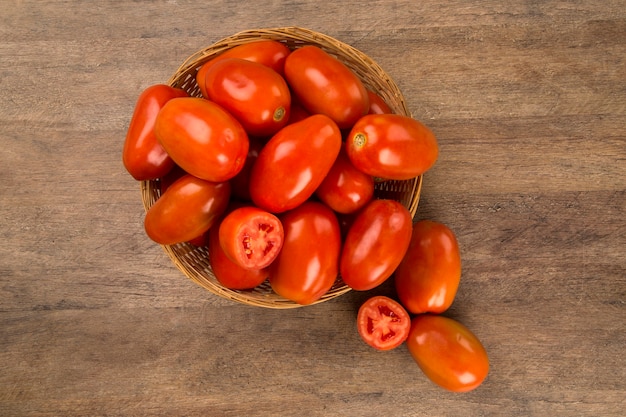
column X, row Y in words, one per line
column 194, row 261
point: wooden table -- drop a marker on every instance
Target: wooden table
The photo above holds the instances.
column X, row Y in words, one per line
column 528, row 101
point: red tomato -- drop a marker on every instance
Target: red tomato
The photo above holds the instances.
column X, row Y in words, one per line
column 187, row 209
column 383, row 323
column 143, row 156
column 228, row 273
column 306, row 267
column 448, row 353
column 375, row 244
column 251, row 237
column 428, row 277
column 293, row 163
column 240, row 183
column 202, row 138
column 255, row 94
column 391, row 146
column 267, row 52
column 345, row 189
column 325, row 85
column 377, row 104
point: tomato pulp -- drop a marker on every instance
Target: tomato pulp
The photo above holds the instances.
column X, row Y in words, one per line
column 251, row 237
column 383, row 323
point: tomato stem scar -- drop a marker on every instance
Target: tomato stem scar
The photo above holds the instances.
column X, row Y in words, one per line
column 359, row 140
column 279, row 113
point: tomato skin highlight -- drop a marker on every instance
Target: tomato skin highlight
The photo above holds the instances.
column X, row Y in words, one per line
column 202, row 138
column 325, row 85
column 383, row 323
column 428, row 277
column 345, row 189
column 293, row 163
column 251, row 237
column 186, row 210
column 448, row 353
column 270, row 53
column 255, row 94
column 307, row 266
column 391, row 146
column 143, row 156
column 227, row 272
column 375, row 244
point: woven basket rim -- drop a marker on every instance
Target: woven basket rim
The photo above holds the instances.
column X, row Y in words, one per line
column 193, row 261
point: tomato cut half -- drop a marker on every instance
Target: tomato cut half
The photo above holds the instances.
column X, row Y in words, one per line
column 251, row 237
column 383, row 323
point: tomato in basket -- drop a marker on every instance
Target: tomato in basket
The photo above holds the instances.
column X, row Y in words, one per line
column 268, row 52
column 251, row 237
column 325, row 85
column 392, row 146
column 306, row 267
column 377, row 104
column 375, row 244
column 186, row 210
column 227, row 272
column 202, row 138
column 345, row 189
column 428, row 277
column 255, row 94
column 293, row 163
column 143, row 156
column 448, row 353
column 383, row 323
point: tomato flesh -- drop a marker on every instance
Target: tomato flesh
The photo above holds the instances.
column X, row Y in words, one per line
column 251, row 237
column 383, row 323
column 227, row 272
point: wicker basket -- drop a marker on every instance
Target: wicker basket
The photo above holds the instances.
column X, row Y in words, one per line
column 193, row 261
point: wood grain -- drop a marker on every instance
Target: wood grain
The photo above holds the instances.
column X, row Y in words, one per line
column 528, row 101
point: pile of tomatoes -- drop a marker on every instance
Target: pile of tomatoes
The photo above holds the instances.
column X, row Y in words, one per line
column 274, row 168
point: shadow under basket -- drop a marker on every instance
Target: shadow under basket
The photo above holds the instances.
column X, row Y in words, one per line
column 194, row 261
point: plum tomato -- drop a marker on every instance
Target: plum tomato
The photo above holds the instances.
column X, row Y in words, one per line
column 143, row 156
column 377, row 104
column 375, row 244
column 383, row 323
column 345, row 189
column 251, row 237
column 391, row 146
column 293, row 163
column 306, row 267
column 448, row 353
column 240, row 183
column 268, row 52
column 325, row 85
column 202, row 138
column 255, row 94
column 228, row 273
column 187, row 209
column 428, row 277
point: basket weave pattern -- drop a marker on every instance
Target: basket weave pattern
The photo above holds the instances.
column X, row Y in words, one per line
column 193, row 261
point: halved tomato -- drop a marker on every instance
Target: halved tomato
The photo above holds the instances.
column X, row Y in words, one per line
column 228, row 273
column 251, row 237
column 383, row 323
